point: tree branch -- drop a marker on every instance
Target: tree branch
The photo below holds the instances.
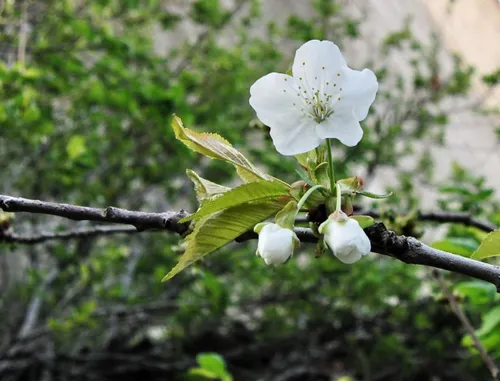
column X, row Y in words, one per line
column 383, row 241
column 141, row 220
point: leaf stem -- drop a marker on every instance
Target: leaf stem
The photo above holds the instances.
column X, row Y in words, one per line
column 330, row 164
column 306, row 195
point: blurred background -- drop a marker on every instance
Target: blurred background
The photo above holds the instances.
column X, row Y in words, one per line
column 87, row 93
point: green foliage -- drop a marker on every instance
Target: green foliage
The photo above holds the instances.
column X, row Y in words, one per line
column 86, row 119
column 489, row 247
column 259, row 191
column 211, row 366
column 213, row 232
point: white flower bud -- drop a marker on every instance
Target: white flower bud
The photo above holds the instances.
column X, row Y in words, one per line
column 276, row 244
column 345, row 238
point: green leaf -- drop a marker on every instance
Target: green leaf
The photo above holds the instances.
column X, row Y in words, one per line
column 490, row 321
column 286, row 217
column 364, row 221
column 214, row 364
column 216, row 147
column 202, row 373
column 205, row 189
column 490, row 246
column 457, row 245
column 373, row 195
column 213, row 232
column 304, row 177
column 251, row 192
column 76, row 147
column 479, row 292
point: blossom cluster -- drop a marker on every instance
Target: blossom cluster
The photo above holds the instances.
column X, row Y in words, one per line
column 322, row 100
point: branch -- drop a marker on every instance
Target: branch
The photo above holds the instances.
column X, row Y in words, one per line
column 383, row 241
column 141, row 220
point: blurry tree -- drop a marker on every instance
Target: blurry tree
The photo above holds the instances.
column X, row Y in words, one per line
column 85, row 111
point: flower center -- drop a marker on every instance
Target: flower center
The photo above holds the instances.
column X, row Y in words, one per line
column 320, row 98
column 321, row 108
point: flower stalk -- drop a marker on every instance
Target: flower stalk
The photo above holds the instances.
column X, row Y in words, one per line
column 330, row 164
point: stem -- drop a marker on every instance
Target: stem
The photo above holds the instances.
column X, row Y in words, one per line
column 307, row 194
column 330, row 164
column 339, row 198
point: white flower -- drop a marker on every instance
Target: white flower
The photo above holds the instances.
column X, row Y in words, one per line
column 323, row 99
column 345, row 238
column 276, row 244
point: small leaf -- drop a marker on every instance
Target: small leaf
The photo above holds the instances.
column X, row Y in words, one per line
column 457, row 245
column 256, row 191
column 216, row 147
column 286, row 217
column 490, row 321
column 351, row 185
column 213, row 363
column 205, row 189
column 304, row 177
column 76, row 147
column 213, row 232
column 321, row 174
column 490, row 246
column 373, row 195
column 364, row 221
column 479, row 292
column 202, row 373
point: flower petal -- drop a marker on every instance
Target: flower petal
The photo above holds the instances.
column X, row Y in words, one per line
column 274, row 99
column 343, row 126
column 317, row 63
column 292, row 139
column 350, row 257
column 275, row 244
column 360, row 89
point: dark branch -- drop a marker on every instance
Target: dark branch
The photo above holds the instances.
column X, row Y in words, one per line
column 386, row 242
column 141, row 220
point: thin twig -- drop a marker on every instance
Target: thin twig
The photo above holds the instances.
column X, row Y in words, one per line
column 464, row 320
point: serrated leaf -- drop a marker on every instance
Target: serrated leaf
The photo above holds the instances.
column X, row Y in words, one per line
column 216, row 147
column 489, row 247
column 251, row 192
column 205, row 189
column 213, row 232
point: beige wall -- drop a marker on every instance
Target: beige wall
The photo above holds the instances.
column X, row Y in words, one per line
column 472, row 28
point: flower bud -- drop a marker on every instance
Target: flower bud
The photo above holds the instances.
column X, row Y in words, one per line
column 276, row 244
column 345, row 237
